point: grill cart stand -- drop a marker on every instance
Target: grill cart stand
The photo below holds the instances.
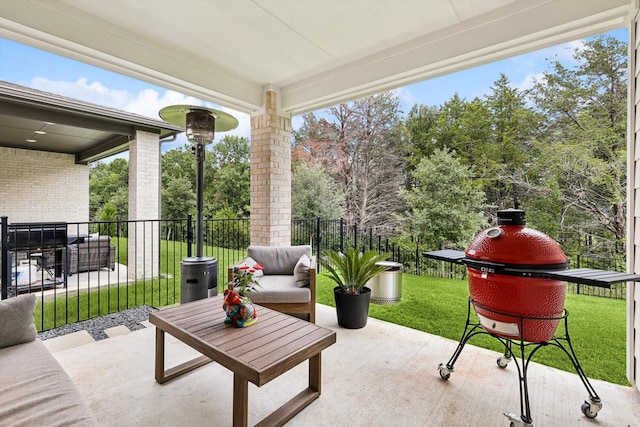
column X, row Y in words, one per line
column 526, row 350
column 589, row 408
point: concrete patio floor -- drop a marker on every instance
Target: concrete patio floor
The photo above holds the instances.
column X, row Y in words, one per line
column 381, row 375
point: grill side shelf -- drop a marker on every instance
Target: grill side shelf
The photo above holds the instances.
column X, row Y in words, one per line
column 584, row 276
column 449, row 255
column 590, row 276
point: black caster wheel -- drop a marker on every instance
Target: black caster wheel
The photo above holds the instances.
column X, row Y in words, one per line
column 586, row 410
column 502, row 362
column 445, row 373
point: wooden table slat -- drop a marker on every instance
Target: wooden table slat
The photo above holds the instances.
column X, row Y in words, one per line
column 265, row 344
column 268, row 361
column 221, row 335
column 250, row 343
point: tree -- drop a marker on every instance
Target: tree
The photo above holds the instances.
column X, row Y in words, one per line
column 178, row 198
column 107, row 214
column 359, row 145
column 228, row 185
column 514, row 127
column 494, row 135
column 228, row 231
column 584, row 146
column 178, row 201
column 444, row 203
column 179, row 163
column 109, row 183
column 226, row 176
column 314, row 194
column 418, row 128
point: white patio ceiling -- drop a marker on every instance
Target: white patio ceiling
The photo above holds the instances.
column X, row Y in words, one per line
column 314, row 53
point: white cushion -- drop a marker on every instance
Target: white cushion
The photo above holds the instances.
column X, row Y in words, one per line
column 279, row 289
column 16, row 320
column 301, row 271
column 279, row 260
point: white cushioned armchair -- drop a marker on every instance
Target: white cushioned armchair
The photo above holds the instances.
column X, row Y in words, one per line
column 288, row 283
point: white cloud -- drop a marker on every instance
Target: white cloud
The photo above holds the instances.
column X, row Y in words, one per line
column 148, row 102
column 406, row 97
column 528, row 81
column 562, row 53
column 81, row 89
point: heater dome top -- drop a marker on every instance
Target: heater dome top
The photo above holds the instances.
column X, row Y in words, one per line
column 176, row 114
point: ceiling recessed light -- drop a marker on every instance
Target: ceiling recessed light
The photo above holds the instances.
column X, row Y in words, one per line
column 41, row 132
column 31, row 140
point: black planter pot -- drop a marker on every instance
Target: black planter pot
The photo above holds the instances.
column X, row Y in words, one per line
column 352, row 310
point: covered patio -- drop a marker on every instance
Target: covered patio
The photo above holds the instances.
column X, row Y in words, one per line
column 381, row 375
column 276, row 59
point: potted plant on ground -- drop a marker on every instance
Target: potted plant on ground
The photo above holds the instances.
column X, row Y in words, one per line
column 351, row 272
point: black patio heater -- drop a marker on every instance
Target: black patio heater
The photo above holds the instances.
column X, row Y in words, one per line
column 199, row 274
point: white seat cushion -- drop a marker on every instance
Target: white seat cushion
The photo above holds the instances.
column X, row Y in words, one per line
column 279, row 289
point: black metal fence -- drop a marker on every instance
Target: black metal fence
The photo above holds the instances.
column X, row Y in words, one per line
column 97, row 268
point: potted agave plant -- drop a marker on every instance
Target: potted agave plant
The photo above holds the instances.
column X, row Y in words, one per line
column 351, row 272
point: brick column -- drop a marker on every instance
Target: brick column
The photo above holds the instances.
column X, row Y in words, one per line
column 143, row 260
column 270, row 175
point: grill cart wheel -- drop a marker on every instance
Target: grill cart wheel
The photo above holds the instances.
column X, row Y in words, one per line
column 503, row 362
column 590, row 408
column 516, row 421
column 445, row 372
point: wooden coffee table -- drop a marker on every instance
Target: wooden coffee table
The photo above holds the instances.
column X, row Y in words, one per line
column 258, row 353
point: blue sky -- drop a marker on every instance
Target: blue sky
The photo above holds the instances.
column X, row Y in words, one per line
column 28, row 66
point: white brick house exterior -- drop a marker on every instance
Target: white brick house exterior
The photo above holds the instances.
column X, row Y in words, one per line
column 39, row 186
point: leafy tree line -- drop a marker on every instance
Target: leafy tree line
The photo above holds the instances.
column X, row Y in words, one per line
column 440, row 173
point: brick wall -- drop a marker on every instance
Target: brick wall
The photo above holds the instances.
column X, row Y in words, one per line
column 270, row 176
column 39, row 186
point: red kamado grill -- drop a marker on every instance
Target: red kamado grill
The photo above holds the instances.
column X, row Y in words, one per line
column 507, row 293
column 517, row 288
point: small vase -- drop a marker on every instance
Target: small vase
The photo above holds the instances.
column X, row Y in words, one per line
column 239, row 309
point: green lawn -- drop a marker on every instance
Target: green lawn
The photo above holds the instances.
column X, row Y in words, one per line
column 439, row 306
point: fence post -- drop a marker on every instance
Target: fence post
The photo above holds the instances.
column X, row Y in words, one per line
column 318, row 237
column 342, row 235
column 189, row 234
column 578, row 266
column 417, row 259
column 355, row 236
column 5, row 270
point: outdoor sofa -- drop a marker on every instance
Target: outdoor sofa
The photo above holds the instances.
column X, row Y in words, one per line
column 90, row 254
column 34, row 389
